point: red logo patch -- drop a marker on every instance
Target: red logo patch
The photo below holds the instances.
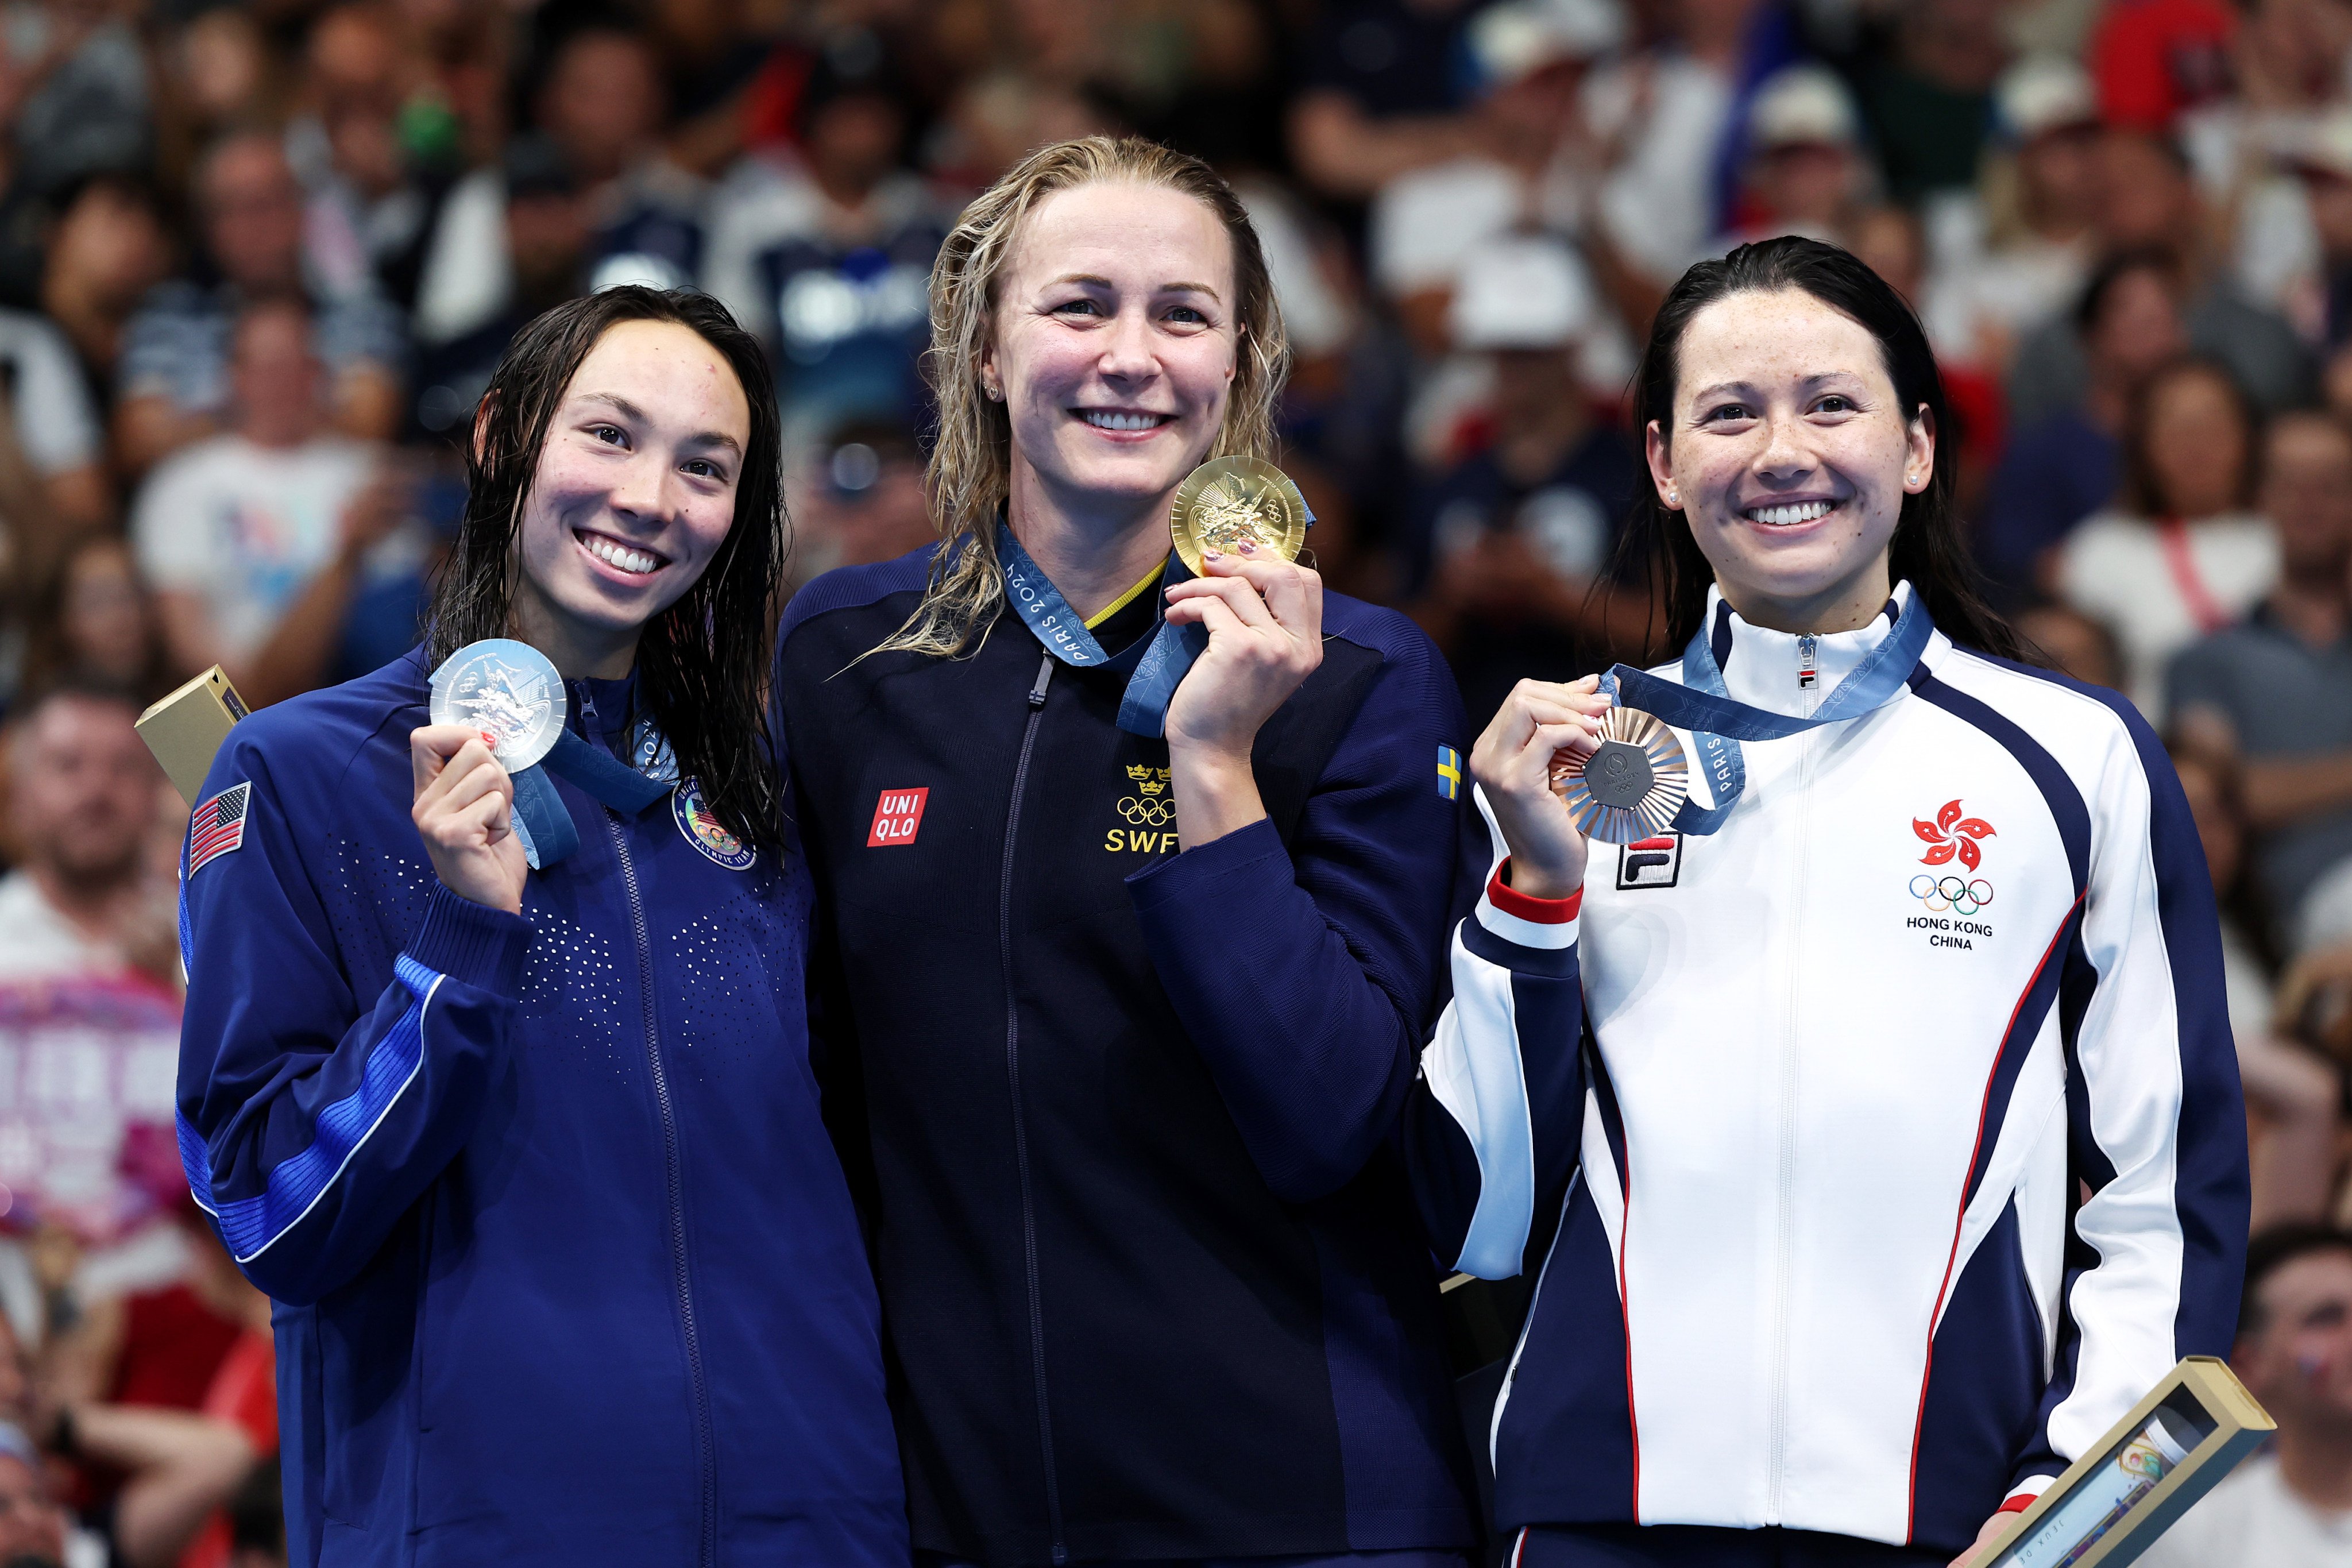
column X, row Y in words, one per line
column 897, row 816
column 1952, row 834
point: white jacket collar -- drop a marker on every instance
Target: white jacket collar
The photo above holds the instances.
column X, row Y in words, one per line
column 1765, row 668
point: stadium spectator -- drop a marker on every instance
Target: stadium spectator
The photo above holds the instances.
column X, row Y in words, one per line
column 1508, row 544
column 367, row 212
column 2179, row 555
column 108, row 249
column 2145, row 200
column 829, row 263
column 175, row 375
column 261, row 540
column 2275, row 690
column 1371, row 108
column 546, row 248
column 2153, row 59
column 860, row 500
column 88, row 1008
column 2293, row 1095
column 2032, row 206
column 1928, row 100
column 2289, row 1507
column 2064, row 465
column 79, row 100
column 96, row 625
column 1805, row 172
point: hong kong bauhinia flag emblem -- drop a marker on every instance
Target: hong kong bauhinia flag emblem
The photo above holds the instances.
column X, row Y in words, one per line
column 1952, row 834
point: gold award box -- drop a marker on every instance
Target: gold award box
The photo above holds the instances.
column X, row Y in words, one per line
column 2177, row 1444
column 185, row 729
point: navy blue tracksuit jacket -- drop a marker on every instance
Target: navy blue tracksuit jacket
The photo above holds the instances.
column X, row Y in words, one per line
column 1143, row 1222
column 567, row 1273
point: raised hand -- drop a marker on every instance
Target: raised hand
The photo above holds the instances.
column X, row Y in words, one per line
column 1264, row 617
column 1512, row 762
column 465, row 802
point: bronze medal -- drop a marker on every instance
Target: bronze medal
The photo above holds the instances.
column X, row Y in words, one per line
column 1631, row 786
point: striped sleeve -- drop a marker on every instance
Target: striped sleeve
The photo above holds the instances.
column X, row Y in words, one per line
column 2156, row 1116
column 1493, row 1123
column 310, row 1118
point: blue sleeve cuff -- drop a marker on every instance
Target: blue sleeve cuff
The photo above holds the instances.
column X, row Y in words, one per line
column 1186, row 875
column 471, row 943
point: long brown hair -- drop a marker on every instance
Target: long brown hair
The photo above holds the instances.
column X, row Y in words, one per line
column 702, row 664
column 970, row 476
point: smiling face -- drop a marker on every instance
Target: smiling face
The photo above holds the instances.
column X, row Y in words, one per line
column 1114, row 347
column 634, row 494
column 1790, row 455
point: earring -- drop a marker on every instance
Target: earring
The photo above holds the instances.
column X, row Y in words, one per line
column 995, row 393
column 1674, row 496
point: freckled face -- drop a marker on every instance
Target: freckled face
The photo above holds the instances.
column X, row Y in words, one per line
column 1115, row 342
column 1789, row 453
column 636, row 487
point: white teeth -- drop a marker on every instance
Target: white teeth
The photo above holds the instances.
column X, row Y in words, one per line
column 1104, row 419
column 1782, row 516
column 620, row 556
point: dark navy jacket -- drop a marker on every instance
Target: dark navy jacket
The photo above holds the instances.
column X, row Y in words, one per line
column 1150, row 1269
column 566, row 1269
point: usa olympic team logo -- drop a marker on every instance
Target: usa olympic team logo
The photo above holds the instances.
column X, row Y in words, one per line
column 704, row 832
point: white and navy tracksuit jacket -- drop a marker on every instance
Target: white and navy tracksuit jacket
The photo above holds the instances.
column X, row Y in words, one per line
column 1911, row 1151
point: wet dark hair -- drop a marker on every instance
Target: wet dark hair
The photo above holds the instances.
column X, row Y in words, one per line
column 702, row 664
column 2143, row 488
column 1929, row 550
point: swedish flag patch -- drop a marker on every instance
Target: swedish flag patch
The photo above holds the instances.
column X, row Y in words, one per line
column 1449, row 772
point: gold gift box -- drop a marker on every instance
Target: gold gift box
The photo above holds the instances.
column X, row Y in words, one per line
column 185, row 730
column 2202, row 1397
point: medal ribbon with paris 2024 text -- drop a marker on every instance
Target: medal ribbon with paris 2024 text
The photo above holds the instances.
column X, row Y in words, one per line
column 1703, row 705
column 1144, row 710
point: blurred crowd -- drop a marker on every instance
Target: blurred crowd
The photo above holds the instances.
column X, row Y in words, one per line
column 256, row 262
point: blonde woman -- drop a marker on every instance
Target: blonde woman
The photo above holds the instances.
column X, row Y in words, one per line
column 1122, row 1021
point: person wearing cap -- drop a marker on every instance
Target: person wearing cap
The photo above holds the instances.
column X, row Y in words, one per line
column 2034, row 204
column 1509, row 544
column 1805, row 172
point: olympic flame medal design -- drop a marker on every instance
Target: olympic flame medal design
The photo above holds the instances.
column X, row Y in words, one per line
column 1228, row 499
column 1630, row 787
column 507, row 689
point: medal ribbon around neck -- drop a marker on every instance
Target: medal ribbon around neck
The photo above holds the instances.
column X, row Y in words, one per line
column 1703, row 705
column 1143, row 711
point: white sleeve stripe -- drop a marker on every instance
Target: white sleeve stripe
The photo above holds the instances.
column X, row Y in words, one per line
column 1474, row 1071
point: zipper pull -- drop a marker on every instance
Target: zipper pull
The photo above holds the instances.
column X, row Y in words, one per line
column 1045, row 674
column 1808, row 663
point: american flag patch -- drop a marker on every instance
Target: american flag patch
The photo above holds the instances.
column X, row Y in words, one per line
column 217, row 826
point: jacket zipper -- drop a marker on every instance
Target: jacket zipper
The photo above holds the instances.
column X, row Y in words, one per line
column 706, row 1547
column 1784, row 1260
column 1019, row 1122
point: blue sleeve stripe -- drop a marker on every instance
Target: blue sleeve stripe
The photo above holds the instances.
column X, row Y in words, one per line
column 2067, row 807
column 250, row 1226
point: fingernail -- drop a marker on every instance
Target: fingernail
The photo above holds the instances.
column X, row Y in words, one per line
column 1213, row 556
column 1248, row 548
column 489, row 739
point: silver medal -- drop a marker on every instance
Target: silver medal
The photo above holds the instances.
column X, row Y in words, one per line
column 507, row 689
column 1631, row 786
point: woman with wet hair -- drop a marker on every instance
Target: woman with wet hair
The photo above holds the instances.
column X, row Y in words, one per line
column 1132, row 889
column 497, row 1081
column 1911, row 1153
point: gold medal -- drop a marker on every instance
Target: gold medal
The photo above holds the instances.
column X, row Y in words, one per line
column 1228, row 499
column 1631, row 786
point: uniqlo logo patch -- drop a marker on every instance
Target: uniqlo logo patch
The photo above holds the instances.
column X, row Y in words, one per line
column 897, row 816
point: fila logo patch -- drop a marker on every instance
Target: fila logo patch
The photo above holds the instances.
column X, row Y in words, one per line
column 1650, row 862
column 217, row 826
column 896, row 817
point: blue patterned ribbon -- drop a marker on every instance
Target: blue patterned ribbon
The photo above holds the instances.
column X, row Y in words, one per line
column 1143, row 711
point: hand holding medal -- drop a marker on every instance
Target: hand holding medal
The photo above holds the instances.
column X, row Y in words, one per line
column 498, row 708
column 1238, row 523
column 1541, row 726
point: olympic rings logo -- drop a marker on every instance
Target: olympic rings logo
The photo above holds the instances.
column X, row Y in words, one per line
column 1147, row 813
column 1941, row 893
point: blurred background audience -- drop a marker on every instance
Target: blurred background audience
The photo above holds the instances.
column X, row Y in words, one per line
column 256, row 262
